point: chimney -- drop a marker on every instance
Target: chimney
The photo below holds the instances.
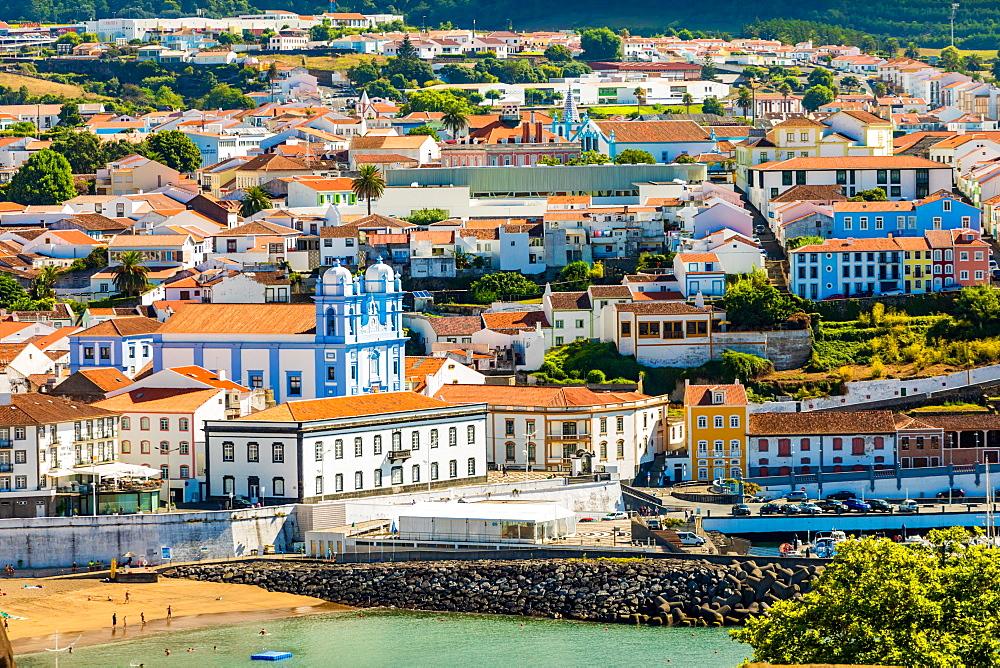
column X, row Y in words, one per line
column 538, row 133
column 525, row 133
column 220, row 374
column 532, row 116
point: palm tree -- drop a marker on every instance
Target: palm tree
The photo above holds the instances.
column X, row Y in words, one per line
column 687, row 100
column 639, row 95
column 255, row 199
column 744, row 100
column 369, row 184
column 44, row 282
column 785, row 89
column 130, row 274
column 455, row 120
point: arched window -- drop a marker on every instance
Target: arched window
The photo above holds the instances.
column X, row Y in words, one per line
column 126, row 423
column 144, row 423
column 185, row 471
column 702, row 422
column 126, row 447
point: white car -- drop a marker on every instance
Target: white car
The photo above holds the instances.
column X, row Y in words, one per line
column 688, row 538
column 619, row 515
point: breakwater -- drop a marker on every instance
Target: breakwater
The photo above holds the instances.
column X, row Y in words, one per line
column 664, row 592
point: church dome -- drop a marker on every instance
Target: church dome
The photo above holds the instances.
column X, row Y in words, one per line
column 337, row 274
column 380, row 274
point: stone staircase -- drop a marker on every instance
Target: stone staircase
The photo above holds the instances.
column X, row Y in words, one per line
column 776, row 274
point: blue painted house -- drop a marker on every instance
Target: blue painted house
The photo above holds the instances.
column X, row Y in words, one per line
column 125, row 344
column 871, row 220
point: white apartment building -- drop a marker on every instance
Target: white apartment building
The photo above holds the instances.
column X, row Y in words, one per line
column 568, row 428
column 315, row 450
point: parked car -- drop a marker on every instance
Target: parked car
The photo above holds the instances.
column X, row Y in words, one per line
column 842, row 496
column 879, row 506
column 688, row 538
column 759, row 229
column 796, row 495
column 859, row 506
column 741, row 509
column 771, row 509
column 996, row 273
column 953, row 493
column 831, row 506
column 588, row 519
column 618, row 515
column 908, row 506
column 832, row 297
column 654, row 523
column 791, row 509
column 809, row 509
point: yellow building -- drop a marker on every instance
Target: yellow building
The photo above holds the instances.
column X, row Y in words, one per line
column 716, row 418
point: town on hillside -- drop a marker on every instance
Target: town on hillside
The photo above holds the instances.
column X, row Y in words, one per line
column 275, row 259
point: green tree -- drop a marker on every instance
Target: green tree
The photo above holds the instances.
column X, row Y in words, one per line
column 712, row 106
column 850, row 83
column 558, row 53
column 427, row 216
column 406, row 50
column 455, row 120
column 973, row 62
column 44, row 178
column 912, row 51
column 870, row 195
column 634, row 156
column 424, row 130
column 886, row 603
column 753, row 303
column 175, row 150
column 601, row 44
column 322, row 32
column 590, row 158
column 891, row 47
column 364, row 72
column 574, row 276
column 799, row 242
column 130, row 273
column 708, row 70
column 821, row 77
column 816, row 97
column 369, row 184
column 684, row 159
column 503, row 285
column 879, row 89
column 950, row 59
column 687, row 100
column 22, row 129
column 82, row 150
column 255, row 199
column 11, row 291
column 493, row 96
column 382, row 88
column 45, row 281
column 69, row 115
column 754, row 73
column 744, row 100
column 224, row 96
column 978, row 305
column 166, row 97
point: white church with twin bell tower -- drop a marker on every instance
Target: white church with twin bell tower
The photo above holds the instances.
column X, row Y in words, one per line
column 350, row 342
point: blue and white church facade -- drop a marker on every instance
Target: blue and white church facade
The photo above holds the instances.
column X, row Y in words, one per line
column 350, row 342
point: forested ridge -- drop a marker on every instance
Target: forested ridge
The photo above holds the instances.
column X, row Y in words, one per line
column 977, row 23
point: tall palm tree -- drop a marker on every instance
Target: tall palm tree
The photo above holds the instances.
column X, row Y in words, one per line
column 455, row 120
column 639, row 95
column 44, row 282
column 785, row 89
column 687, row 100
column 255, row 199
column 130, row 274
column 369, row 184
column 744, row 100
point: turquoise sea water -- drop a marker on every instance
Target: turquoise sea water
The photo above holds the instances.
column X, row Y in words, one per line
column 401, row 639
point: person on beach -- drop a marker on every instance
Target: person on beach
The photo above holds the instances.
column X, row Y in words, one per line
column 124, row 622
column 114, row 619
column 264, row 632
column 142, row 618
column 128, row 597
column 167, row 652
column 170, row 612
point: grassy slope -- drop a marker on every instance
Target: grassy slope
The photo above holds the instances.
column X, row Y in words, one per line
column 43, row 87
column 326, row 62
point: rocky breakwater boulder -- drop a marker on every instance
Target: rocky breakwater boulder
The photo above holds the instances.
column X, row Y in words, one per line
column 653, row 591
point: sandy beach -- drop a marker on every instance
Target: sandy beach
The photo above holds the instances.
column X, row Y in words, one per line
column 75, row 606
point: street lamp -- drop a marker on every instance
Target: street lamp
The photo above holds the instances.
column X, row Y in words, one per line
column 954, row 9
column 529, row 437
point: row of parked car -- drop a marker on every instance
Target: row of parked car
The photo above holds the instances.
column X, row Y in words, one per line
column 798, row 503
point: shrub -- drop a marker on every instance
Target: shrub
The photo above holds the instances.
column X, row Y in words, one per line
column 596, row 376
column 877, row 368
column 746, row 366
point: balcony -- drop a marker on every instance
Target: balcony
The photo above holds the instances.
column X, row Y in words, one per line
column 582, row 436
column 399, row 455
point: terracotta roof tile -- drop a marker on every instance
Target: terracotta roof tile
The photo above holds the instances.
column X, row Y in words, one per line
column 106, row 378
column 346, row 407
column 158, row 399
column 609, row 292
column 35, row 408
column 515, row 320
column 520, row 395
column 832, row 422
column 242, row 319
column 654, row 131
column 570, row 301
column 460, row 325
column 853, row 162
column 702, row 395
column 127, row 326
column 661, row 308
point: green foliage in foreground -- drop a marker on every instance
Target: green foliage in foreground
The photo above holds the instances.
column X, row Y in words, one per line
column 884, row 603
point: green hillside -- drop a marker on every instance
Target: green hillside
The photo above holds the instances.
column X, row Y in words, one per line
column 925, row 21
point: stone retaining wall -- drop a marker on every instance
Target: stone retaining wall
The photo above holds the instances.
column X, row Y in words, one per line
column 661, row 592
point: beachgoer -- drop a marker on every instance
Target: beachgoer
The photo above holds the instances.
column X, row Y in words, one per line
column 167, row 651
column 124, row 622
column 190, row 649
column 142, row 618
column 263, row 632
column 73, row 567
column 114, row 619
column 170, row 612
column 128, row 597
